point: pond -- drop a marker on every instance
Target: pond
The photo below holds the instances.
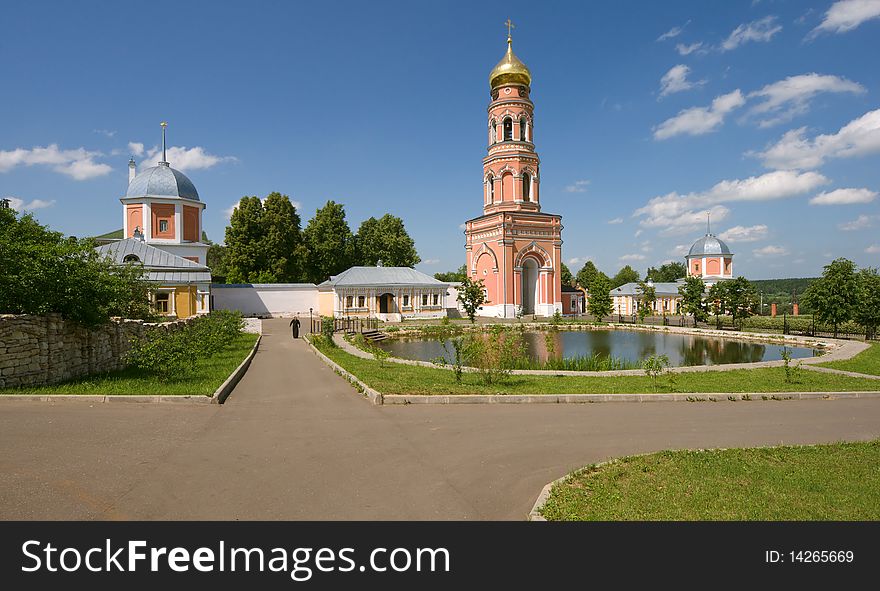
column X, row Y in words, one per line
column 629, row 346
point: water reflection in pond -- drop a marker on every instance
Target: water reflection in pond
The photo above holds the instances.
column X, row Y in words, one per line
column 631, row 346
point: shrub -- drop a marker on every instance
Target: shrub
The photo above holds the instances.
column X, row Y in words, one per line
column 494, row 353
column 169, row 351
column 327, row 330
column 792, row 372
column 654, row 366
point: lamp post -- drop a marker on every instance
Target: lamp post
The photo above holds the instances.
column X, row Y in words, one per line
column 311, row 322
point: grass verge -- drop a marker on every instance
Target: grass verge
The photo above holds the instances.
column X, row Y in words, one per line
column 818, row 482
column 868, row 361
column 206, row 376
column 396, row 378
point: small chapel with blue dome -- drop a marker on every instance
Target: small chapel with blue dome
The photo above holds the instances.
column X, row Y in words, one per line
column 162, row 230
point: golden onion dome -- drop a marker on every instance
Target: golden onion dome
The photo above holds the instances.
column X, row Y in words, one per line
column 510, row 70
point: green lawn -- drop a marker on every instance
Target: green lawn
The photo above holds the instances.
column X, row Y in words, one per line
column 205, row 378
column 821, row 482
column 396, row 378
column 867, row 361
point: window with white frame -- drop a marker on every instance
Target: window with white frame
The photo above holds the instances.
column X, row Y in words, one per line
column 362, row 300
column 406, row 300
column 162, row 302
column 424, row 299
column 349, row 301
column 436, row 299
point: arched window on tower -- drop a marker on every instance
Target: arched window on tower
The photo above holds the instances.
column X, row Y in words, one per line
column 490, row 189
column 522, row 129
column 508, row 129
column 493, row 132
column 527, row 186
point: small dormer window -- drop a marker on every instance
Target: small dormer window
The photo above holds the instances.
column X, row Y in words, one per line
column 163, row 225
column 131, row 258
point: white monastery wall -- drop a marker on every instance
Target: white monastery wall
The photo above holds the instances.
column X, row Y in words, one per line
column 266, row 299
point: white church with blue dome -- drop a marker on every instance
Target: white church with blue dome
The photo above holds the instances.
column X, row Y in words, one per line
column 162, row 230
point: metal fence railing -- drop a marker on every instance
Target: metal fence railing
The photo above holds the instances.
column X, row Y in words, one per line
column 348, row 324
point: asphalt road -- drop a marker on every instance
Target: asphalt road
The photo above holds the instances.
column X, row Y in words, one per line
column 294, row 441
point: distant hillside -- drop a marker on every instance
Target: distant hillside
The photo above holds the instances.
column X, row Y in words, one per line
column 783, row 286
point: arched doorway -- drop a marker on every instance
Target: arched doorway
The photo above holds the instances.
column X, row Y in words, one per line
column 529, row 285
column 386, row 303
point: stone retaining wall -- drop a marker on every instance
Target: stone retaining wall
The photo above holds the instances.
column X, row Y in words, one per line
column 39, row 350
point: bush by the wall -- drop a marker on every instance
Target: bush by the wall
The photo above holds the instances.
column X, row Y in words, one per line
column 171, row 353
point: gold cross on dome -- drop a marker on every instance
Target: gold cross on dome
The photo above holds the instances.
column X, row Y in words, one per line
column 510, row 26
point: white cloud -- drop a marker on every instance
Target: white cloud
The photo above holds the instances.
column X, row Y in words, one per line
column 78, row 164
column 183, row 158
column 680, row 250
column 683, row 49
column 759, row 30
column 615, row 221
column 860, row 223
column 744, row 233
column 20, row 204
column 633, row 257
column 873, row 249
column 770, row 251
column 681, row 212
column 577, row 187
column 673, row 32
column 844, row 197
column 638, row 233
column 136, row 149
column 431, row 261
column 785, row 99
column 676, row 80
column 105, row 132
column 858, row 137
column 846, row 15
column 700, row 120
column 462, row 226
column 578, row 260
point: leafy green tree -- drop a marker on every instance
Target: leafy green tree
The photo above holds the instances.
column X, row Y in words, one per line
column 264, row 242
column 742, row 299
column 692, row 298
column 472, row 295
column 329, row 241
column 42, row 271
column 587, row 274
column 667, row 273
column 833, row 297
column 599, row 304
column 566, row 276
column 283, row 242
column 245, row 253
column 647, row 296
column 385, row 240
column 452, row 276
column 626, row 275
column 216, row 261
column 718, row 301
column 867, row 310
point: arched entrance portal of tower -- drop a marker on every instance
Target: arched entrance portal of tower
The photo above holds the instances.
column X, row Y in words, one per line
column 529, row 287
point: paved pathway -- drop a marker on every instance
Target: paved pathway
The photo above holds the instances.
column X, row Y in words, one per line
column 296, row 442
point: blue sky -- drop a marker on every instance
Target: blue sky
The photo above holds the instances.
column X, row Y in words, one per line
column 647, row 114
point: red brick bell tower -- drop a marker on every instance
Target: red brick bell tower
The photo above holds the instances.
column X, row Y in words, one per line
column 514, row 247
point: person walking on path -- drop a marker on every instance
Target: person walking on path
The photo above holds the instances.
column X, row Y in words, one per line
column 294, row 323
